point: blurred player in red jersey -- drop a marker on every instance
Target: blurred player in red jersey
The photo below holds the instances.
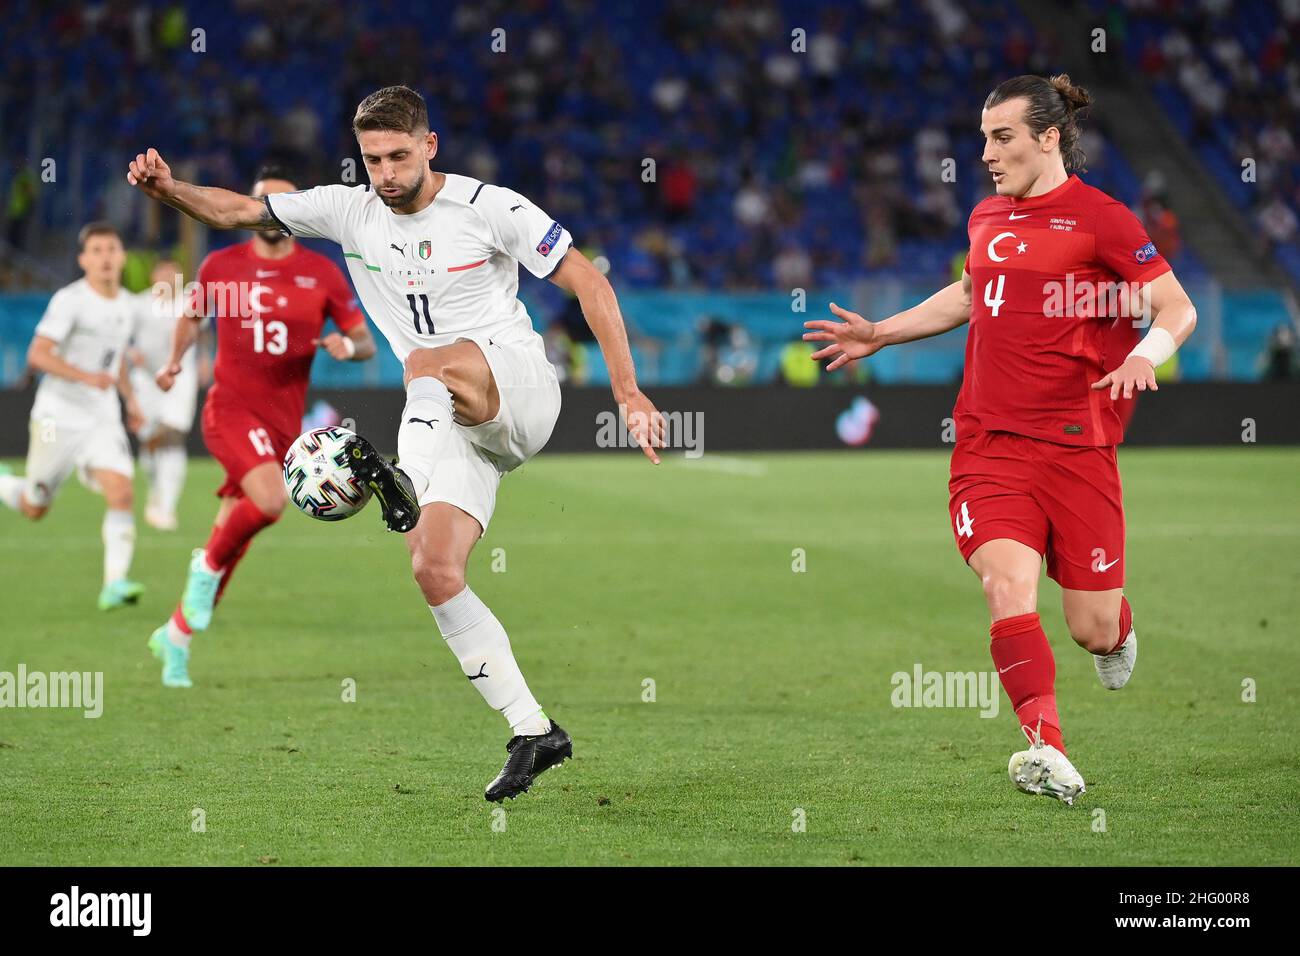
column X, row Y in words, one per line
column 269, row 298
column 1034, row 473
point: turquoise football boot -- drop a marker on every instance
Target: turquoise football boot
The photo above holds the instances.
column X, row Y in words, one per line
column 120, row 593
column 175, row 660
column 200, row 593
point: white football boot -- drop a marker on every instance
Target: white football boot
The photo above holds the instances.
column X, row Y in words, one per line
column 1043, row 769
column 1114, row 670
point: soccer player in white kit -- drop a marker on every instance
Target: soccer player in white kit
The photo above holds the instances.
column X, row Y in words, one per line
column 434, row 258
column 76, row 421
column 169, row 415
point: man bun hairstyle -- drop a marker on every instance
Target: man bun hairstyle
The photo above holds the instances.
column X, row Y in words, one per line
column 272, row 169
column 1052, row 101
column 396, row 108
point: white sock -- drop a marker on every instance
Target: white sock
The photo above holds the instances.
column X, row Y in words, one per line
column 169, row 478
column 176, row 635
column 426, row 420
column 149, row 465
column 119, row 543
column 11, row 490
column 480, row 643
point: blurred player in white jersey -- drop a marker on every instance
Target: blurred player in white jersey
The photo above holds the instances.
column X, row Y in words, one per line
column 435, row 261
column 76, row 421
column 169, row 415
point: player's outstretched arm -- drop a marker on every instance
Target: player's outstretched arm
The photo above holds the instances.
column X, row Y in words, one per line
column 183, row 336
column 218, row 208
column 856, row 338
column 600, row 308
column 1174, row 319
column 43, row 356
column 356, row 345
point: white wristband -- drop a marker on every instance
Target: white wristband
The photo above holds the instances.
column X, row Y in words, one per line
column 1156, row 348
column 350, row 346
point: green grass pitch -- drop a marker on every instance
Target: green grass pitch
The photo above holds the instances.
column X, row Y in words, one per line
column 772, row 686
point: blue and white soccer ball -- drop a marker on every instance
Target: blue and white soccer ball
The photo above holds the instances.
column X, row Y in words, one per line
column 318, row 477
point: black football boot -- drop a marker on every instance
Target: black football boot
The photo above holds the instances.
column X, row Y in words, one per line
column 390, row 484
column 529, row 756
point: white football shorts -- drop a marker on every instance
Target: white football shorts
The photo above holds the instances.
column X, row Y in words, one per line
column 55, row 450
column 173, row 409
column 475, row 458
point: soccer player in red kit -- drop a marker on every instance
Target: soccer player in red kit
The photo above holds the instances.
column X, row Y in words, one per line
column 1034, row 472
column 269, row 298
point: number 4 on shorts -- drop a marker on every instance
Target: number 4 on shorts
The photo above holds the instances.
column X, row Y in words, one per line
column 965, row 523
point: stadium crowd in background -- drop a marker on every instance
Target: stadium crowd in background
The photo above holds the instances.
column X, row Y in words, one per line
column 826, row 183
column 1232, row 68
column 691, row 146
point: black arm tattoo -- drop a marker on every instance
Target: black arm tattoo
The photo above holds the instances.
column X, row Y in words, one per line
column 270, row 220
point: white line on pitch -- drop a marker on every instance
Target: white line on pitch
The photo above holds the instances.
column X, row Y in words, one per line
column 730, row 466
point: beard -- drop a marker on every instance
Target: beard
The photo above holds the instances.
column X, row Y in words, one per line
column 405, row 198
column 271, row 236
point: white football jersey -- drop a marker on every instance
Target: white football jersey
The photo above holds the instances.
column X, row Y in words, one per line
column 154, row 330
column 92, row 332
column 449, row 271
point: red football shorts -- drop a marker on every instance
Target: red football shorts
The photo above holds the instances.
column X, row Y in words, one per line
column 241, row 440
column 1064, row 501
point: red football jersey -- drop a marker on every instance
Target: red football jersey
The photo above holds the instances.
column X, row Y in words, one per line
column 1121, row 338
column 1046, row 273
column 266, row 312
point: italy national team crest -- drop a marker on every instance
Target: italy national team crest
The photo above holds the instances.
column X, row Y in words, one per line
column 426, row 248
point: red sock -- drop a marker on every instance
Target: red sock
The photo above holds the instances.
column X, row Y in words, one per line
column 178, row 618
column 1028, row 672
column 230, row 569
column 1125, row 624
column 244, row 521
